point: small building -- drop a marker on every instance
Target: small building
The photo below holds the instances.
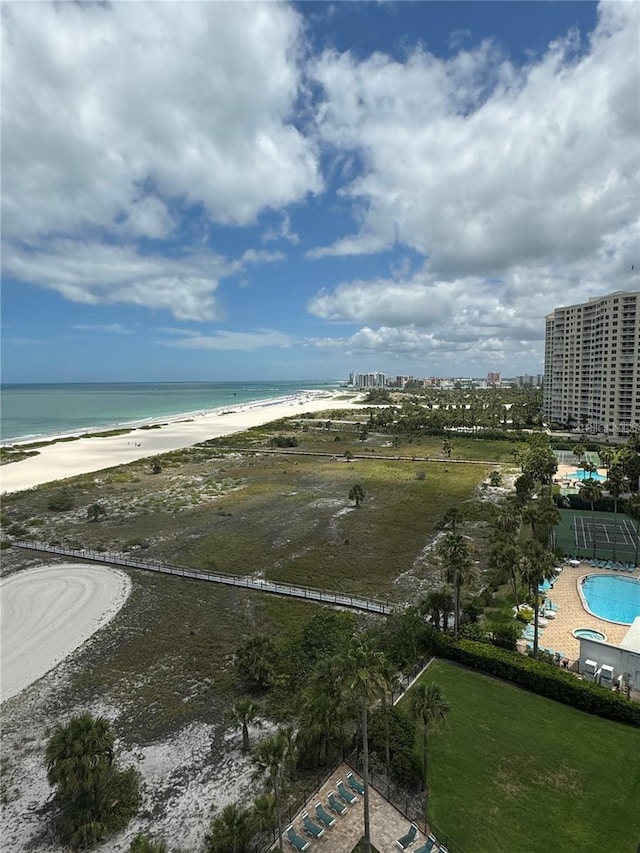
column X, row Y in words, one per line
column 615, row 666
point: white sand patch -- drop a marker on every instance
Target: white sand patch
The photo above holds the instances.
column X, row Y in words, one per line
column 47, row 612
column 68, row 459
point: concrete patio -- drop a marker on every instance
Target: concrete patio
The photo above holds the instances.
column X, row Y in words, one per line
column 387, row 823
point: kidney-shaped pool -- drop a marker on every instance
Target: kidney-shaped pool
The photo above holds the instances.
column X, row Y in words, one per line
column 612, row 597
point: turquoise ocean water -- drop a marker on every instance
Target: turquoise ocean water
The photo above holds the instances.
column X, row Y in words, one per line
column 38, row 411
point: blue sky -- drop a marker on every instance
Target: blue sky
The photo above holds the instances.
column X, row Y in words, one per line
column 198, row 191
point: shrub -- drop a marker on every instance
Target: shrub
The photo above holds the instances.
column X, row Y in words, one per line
column 540, row 678
column 61, row 501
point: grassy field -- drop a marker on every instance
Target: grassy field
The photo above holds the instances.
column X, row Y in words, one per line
column 166, row 658
column 512, row 771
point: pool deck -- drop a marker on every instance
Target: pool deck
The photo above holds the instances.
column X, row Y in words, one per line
column 387, row 824
column 571, row 613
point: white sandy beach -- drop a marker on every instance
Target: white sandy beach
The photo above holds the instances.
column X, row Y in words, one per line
column 68, row 459
column 47, row 612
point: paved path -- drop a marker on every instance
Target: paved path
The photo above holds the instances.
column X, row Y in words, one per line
column 246, row 581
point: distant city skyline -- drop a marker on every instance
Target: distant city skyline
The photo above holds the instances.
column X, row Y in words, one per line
column 247, row 191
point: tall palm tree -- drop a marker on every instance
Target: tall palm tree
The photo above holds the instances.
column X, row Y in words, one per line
column 429, row 707
column 504, row 562
column 243, row 713
column 537, row 565
column 263, row 813
column 543, row 516
column 438, row 604
column 453, row 551
column 231, row 831
column 79, row 755
column 273, row 760
column 616, row 484
column 322, row 719
column 363, row 679
column 590, row 492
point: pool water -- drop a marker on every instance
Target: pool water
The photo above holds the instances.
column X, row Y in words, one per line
column 588, row 634
column 586, row 475
column 612, row 597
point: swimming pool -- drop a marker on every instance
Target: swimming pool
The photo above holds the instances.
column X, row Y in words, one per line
column 612, row 597
column 588, row 634
column 580, row 474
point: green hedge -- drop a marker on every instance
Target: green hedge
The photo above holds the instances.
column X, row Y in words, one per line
column 539, row 677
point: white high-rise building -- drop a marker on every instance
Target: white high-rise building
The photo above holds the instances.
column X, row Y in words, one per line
column 591, row 364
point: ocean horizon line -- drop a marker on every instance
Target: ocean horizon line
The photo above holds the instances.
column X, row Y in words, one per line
column 35, row 412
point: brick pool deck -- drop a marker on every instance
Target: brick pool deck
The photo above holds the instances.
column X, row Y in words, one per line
column 571, row 613
column 387, row 823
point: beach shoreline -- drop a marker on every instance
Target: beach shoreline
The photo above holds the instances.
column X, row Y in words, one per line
column 62, row 459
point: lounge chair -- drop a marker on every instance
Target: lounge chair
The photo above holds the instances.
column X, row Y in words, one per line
column 409, row 838
column 355, row 784
column 345, row 795
column 428, row 846
column 324, row 816
column 294, row 839
column 335, row 805
column 310, row 827
column 444, row 849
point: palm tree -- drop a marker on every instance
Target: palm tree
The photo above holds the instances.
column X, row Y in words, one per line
column 231, row 831
column 143, row 844
column 363, row 679
column 590, row 492
column 322, row 719
column 453, row 551
column 504, row 562
column 447, row 447
column 543, row 516
column 438, row 604
column 429, row 707
column 273, row 759
column 537, row 565
column 264, row 812
column 242, row 715
column 79, row 755
column 579, row 451
column 452, row 517
column 616, row 484
column 255, row 660
column 357, row 493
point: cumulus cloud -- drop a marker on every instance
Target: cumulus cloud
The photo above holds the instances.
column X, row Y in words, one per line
column 102, row 274
column 481, row 165
column 197, row 106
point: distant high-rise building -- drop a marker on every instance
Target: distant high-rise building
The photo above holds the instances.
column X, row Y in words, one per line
column 493, row 377
column 591, row 372
column 368, row 380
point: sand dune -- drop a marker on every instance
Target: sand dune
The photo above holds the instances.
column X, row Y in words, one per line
column 47, row 612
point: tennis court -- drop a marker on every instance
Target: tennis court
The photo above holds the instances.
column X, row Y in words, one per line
column 566, row 457
column 598, row 535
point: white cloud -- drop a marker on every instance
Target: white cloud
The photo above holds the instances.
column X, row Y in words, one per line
column 101, row 274
column 481, row 165
column 518, row 186
column 111, row 110
column 104, row 328
column 224, row 340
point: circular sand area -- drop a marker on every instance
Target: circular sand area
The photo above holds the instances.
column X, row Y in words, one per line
column 47, row 612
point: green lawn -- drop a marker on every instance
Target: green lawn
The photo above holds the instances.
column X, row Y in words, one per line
column 512, row 771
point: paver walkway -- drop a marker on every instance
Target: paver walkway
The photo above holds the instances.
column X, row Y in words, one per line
column 387, row 824
column 571, row 613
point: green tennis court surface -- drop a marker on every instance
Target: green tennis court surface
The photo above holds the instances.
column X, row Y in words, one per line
column 597, row 535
